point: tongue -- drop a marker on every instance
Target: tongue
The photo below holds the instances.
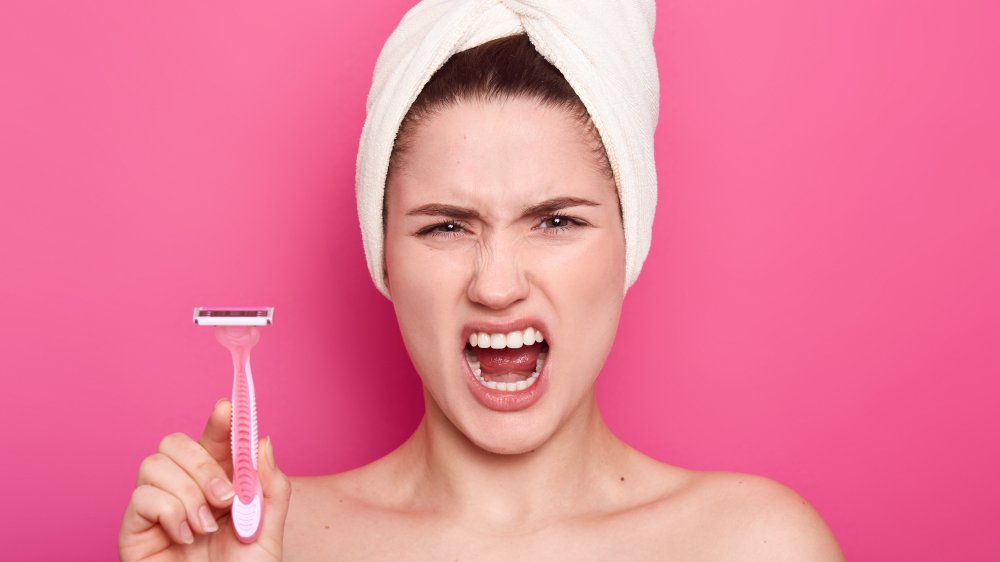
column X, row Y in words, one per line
column 507, row 364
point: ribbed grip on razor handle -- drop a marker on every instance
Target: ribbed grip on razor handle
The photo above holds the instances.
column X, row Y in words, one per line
column 248, row 505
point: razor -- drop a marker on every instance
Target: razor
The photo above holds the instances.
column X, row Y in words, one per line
column 236, row 329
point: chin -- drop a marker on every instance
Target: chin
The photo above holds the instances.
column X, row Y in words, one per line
column 510, row 438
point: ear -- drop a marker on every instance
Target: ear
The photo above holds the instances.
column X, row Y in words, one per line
column 385, row 266
column 385, row 278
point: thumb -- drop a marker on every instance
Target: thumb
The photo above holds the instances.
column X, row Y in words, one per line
column 277, row 492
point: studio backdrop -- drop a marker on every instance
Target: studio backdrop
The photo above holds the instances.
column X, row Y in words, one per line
column 819, row 305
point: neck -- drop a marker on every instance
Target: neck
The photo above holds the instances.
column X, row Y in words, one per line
column 576, row 470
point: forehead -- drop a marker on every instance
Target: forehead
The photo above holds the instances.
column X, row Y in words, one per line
column 496, row 153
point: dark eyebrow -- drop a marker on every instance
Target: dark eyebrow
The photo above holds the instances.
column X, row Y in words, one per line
column 462, row 213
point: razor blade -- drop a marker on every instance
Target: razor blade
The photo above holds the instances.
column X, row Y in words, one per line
column 221, row 316
column 236, row 329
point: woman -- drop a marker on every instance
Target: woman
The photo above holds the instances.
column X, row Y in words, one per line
column 506, row 258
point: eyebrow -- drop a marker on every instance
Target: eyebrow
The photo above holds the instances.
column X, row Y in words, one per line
column 463, row 213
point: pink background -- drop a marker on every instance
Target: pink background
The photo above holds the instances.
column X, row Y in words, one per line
column 820, row 305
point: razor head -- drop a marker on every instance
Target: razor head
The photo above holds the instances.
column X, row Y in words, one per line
column 233, row 316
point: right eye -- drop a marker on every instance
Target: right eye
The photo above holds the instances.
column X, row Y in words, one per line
column 448, row 229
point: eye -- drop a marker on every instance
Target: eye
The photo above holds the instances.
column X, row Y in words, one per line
column 560, row 223
column 448, row 229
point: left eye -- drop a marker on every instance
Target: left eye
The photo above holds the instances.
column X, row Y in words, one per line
column 559, row 221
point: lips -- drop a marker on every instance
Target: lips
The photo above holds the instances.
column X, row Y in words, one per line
column 506, row 379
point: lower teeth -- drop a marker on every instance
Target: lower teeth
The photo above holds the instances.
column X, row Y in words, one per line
column 506, row 386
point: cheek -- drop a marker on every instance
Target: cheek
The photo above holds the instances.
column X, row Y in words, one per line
column 585, row 271
column 417, row 272
column 424, row 289
column 588, row 300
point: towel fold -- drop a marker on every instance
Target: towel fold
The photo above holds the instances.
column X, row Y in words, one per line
column 604, row 48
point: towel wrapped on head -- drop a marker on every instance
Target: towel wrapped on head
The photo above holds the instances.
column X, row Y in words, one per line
column 604, row 48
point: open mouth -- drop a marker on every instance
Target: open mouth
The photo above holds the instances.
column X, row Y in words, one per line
column 507, row 362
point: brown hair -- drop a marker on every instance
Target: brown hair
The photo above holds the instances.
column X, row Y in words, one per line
column 497, row 70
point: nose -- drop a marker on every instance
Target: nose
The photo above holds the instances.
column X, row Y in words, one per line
column 499, row 280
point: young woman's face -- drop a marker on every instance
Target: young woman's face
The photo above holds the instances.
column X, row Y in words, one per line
column 471, row 248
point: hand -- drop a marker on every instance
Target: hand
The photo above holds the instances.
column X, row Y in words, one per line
column 163, row 519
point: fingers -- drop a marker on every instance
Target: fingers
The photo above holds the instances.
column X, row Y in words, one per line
column 182, row 486
column 275, row 484
column 150, row 506
column 207, row 474
column 162, row 472
column 277, row 490
column 216, row 437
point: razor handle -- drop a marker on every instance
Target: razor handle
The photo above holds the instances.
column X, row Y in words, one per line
column 248, row 504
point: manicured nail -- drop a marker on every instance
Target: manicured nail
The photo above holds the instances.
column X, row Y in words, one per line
column 186, row 535
column 221, row 489
column 207, row 521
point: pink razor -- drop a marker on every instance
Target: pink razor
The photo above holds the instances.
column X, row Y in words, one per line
column 236, row 329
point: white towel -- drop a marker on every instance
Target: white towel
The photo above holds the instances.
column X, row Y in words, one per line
column 604, row 48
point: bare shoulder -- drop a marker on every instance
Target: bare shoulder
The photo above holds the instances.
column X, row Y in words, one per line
column 310, row 510
column 760, row 519
column 338, row 492
column 319, row 512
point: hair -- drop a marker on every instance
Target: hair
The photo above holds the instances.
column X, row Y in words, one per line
column 498, row 70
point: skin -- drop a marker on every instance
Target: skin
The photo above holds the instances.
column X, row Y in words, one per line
column 550, row 482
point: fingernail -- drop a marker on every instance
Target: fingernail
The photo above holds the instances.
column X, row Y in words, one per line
column 186, row 535
column 270, row 453
column 221, row 489
column 207, row 521
column 219, row 401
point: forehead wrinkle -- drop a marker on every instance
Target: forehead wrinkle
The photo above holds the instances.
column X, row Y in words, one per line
column 471, row 156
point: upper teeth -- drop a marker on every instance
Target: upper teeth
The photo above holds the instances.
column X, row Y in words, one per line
column 514, row 340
